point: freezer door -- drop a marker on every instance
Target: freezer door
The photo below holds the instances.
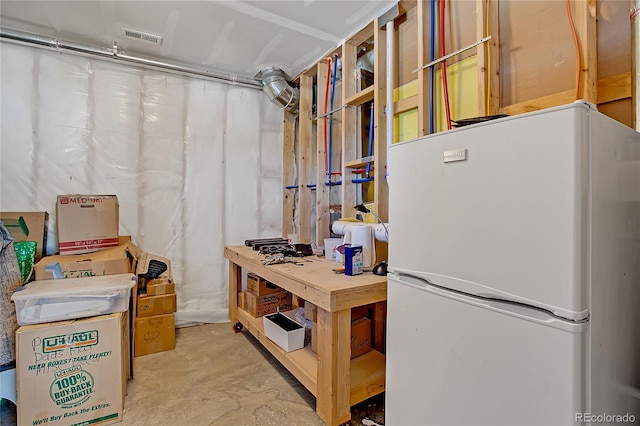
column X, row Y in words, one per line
column 454, row 362
column 501, row 204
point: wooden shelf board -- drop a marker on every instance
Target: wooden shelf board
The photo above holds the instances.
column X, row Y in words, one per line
column 367, row 376
column 362, row 97
column 303, row 363
column 359, row 163
column 367, row 371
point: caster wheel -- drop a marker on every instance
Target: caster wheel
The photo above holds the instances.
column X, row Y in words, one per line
column 237, row 327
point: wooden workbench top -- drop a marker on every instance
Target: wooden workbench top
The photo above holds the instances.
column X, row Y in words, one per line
column 315, row 280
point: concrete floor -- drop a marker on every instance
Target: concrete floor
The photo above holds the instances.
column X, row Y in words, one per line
column 218, row 377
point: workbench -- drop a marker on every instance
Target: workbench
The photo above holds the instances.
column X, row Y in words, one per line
column 337, row 381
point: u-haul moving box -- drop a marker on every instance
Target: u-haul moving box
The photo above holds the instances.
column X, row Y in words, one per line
column 87, row 223
column 73, row 372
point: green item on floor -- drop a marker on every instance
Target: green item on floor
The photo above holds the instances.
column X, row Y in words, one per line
column 26, row 254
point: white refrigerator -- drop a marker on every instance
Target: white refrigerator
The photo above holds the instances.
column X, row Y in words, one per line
column 514, row 284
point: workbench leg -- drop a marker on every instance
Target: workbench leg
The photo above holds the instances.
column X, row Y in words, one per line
column 379, row 326
column 235, row 284
column 333, row 400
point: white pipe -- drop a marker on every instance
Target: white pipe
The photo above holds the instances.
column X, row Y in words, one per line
column 112, row 54
column 380, row 230
column 390, row 81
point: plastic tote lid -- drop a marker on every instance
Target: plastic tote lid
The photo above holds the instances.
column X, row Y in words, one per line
column 70, row 287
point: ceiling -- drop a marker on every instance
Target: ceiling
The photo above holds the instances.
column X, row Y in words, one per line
column 239, row 37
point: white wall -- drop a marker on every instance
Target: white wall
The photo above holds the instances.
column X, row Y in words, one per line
column 195, row 164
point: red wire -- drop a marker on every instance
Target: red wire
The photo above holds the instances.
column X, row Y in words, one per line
column 326, row 106
column 445, row 88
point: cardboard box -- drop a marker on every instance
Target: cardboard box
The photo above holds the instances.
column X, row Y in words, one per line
column 28, row 226
column 73, row 372
column 117, row 260
column 284, row 331
column 360, row 337
column 156, row 305
column 87, row 223
column 155, row 334
column 159, row 287
column 152, row 266
column 260, row 286
column 261, row 305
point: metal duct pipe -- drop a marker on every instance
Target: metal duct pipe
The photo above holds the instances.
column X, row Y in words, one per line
column 275, row 85
column 635, row 63
column 113, row 54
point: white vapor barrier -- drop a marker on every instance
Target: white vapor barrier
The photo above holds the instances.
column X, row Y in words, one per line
column 196, row 164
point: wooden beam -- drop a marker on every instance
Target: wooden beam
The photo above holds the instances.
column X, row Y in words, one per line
column 407, row 104
column 349, row 128
column 322, row 191
column 493, row 61
column 482, row 55
column 609, row 89
column 585, row 22
column 306, row 134
column 361, row 36
column 360, row 97
column 423, row 74
column 380, row 186
column 288, row 165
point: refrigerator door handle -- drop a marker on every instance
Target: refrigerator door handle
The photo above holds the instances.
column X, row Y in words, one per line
column 526, row 312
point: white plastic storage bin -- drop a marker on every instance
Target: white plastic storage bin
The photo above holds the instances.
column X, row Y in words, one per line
column 285, row 332
column 70, row 298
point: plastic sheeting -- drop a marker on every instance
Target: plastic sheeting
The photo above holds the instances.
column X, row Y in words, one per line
column 196, row 164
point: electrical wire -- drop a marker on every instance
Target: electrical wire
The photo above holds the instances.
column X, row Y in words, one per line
column 445, row 87
column 577, row 46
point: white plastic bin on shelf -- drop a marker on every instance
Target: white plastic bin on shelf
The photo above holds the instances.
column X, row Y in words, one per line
column 284, row 331
column 71, row 298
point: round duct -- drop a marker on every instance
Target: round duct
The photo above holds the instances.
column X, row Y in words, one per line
column 275, row 85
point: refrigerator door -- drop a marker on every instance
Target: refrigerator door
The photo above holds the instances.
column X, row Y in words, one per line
column 500, row 205
column 453, row 360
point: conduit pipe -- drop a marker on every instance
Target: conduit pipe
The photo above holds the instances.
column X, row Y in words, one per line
column 275, row 85
column 635, row 63
column 120, row 56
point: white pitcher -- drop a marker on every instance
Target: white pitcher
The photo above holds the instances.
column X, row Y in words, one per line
column 362, row 235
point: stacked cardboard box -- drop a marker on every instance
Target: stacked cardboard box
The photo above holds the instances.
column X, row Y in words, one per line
column 154, row 329
column 262, row 297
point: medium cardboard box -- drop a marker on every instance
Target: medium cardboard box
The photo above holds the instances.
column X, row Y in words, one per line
column 155, row 334
column 87, row 223
column 260, row 286
column 73, row 372
column 116, row 260
column 268, row 304
column 28, row 226
column 360, row 337
column 159, row 286
column 148, row 306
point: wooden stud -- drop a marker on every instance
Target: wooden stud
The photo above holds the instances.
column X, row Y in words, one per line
column 493, row 61
column 322, row 190
column 349, row 128
column 306, row 134
column 423, row 74
column 288, row 163
column 585, row 22
column 380, row 186
column 481, row 52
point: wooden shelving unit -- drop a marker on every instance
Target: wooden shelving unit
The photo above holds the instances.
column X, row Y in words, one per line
column 367, row 371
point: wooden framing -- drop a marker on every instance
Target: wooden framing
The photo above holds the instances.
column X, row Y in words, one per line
column 306, row 134
column 322, row 190
column 349, row 127
column 288, row 162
